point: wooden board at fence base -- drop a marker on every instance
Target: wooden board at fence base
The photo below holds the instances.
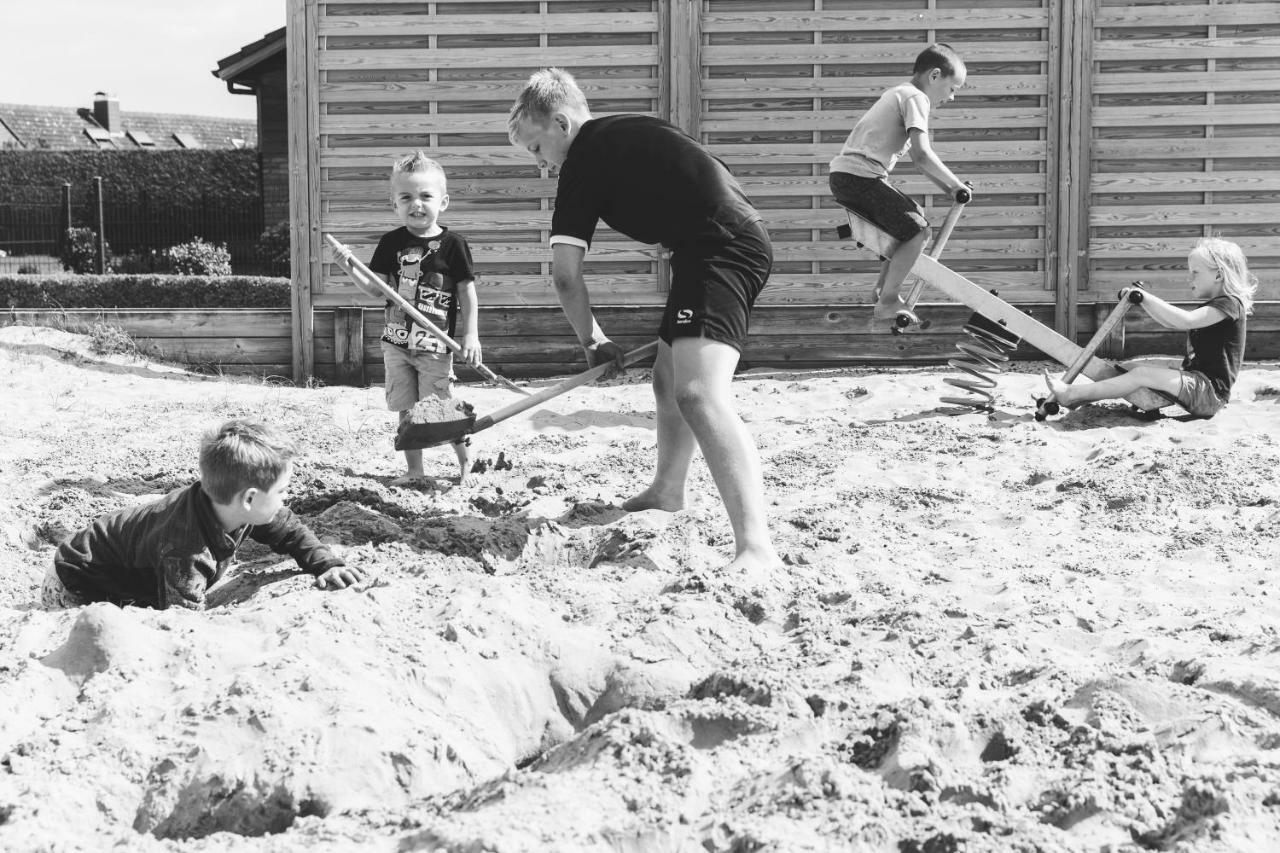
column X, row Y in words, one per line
column 1040, row 336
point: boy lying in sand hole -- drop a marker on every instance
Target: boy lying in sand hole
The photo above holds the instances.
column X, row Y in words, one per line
column 167, row 553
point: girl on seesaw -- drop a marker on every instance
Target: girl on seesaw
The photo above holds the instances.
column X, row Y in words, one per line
column 1219, row 276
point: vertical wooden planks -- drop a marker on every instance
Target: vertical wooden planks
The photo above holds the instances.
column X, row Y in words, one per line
column 302, row 188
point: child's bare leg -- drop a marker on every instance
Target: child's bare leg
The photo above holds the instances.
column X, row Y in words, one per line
column 462, row 449
column 703, row 372
column 676, row 443
column 895, row 272
column 412, row 460
column 1140, row 376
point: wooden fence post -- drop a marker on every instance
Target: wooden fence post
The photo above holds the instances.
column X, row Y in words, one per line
column 304, row 169
column 348, row 346
column 1074, row 141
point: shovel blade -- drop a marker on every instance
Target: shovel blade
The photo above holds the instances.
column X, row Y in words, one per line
column 411, row 436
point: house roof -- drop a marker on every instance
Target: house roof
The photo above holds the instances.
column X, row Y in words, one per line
column 31, row 127
column 243, row 64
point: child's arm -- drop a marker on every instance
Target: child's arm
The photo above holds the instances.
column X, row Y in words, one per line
column 928, row 162
column 571, row 289
column 370, row 290
column 469, row 310
column 1173, row 317
column 286, row 534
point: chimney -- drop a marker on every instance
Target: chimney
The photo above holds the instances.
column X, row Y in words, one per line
column 106, row 111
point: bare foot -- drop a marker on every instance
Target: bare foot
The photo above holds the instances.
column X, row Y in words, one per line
column 650, row 498
column 888, row 310
column 1059, row 391
column 755, row 564
column 410, row 478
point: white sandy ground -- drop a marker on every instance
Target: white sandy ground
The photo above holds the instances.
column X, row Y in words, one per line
column 991, row 634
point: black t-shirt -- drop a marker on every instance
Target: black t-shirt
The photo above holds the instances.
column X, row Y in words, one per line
column 1217, row 350
column 648, row 180
column 426, row 271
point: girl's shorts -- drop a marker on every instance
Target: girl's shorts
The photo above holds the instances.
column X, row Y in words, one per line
column 875, row 199
column 1197, row 395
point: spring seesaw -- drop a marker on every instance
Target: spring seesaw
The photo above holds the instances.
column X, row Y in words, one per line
column 1002, row 325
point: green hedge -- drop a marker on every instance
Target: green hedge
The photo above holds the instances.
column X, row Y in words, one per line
column 143, row 291
column 216, row 174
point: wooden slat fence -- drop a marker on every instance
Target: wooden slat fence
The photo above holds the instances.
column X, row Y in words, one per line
column 1185, row 102
column 1101, row 137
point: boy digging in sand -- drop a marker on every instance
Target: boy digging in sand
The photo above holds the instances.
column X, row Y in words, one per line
column 1219, row 275
column 648, row 180
column 897, row 123
column 168, row 553
column 431, row 267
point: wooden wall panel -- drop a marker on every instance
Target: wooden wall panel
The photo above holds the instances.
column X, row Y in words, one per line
column 1186, row 112
column 398, row 76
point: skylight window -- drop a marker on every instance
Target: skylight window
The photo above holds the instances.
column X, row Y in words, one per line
column 100, row 136
column 187, row 140
column 142, row 138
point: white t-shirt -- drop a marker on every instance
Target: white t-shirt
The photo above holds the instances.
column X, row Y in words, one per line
column 882, row 136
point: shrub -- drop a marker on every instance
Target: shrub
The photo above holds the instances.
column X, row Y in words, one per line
column 80, row 251
column 199, row 258
column 274, row 245
column 105, row 339
column 143, row 291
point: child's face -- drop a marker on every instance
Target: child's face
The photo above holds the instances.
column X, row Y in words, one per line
column 262, row 505
column 1203, row 276
column 549, row 144
column 419, row 198
column 942, row 89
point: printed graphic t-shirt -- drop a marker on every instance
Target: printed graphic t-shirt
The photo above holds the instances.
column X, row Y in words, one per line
column 1217, row 350
column 426, row 271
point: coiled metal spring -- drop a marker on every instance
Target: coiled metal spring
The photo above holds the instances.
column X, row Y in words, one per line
column 985, row 353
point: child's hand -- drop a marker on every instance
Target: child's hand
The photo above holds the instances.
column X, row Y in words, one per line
column 471, row 351
column 605, row 352
column 341, row 577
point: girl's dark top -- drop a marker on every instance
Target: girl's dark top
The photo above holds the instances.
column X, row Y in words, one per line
column 426, row 271
column 649, row 181
column 1217, row 350
column 168, row 552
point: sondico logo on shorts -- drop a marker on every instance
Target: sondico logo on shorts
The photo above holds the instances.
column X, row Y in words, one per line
column 684, row 316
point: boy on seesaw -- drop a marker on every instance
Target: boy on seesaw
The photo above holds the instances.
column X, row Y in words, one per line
column 897, row 123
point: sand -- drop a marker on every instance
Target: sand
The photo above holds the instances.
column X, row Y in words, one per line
column 990, row 634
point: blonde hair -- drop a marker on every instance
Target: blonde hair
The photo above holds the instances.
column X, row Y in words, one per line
column 242, row 454
column 548, row 90
column 1229, row 260
column 417, row 162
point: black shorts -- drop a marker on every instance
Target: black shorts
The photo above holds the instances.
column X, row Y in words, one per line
column 875, row 199
column 714, row 286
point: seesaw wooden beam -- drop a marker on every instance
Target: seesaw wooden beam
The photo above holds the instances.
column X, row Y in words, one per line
column 962, row 290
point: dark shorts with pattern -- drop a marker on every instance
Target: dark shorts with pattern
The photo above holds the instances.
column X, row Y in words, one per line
column 876, row 200
column 1198, row 396
column 715, row 285
column 54, row 595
